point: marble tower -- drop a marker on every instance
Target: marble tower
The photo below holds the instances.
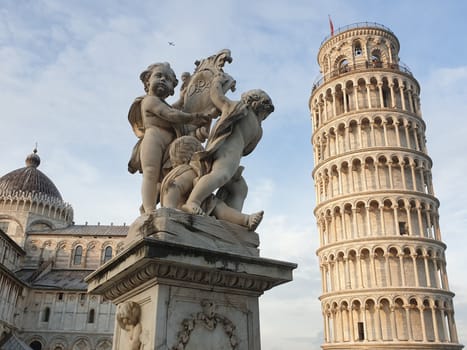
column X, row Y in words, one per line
column 381, row 254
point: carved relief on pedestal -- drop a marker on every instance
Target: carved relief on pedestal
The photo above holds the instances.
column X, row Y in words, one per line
column 207, row 321
column 129, row 319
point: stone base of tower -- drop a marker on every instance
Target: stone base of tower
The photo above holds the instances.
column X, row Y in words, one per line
column 392, row 345
column 188, row 282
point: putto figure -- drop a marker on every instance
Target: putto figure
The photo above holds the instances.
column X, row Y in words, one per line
column 178, row 184
column 236, row 134
column 129, row 319
column 157, row 124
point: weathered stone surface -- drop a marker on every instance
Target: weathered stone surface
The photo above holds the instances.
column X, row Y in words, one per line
column 172, row 225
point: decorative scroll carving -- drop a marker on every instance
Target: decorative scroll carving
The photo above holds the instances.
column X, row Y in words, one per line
column 161, row 270
column 208, row 319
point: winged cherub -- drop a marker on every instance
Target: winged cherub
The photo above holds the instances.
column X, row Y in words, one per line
column 157, row 124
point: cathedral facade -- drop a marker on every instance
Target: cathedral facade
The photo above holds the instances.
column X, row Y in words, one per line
column 381, row 254
column 44, row 258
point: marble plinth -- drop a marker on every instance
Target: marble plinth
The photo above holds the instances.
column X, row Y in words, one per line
column 194, row 280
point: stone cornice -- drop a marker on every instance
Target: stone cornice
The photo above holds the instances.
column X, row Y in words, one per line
column 174, row 263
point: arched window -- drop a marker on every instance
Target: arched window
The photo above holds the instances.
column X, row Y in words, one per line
column 78, row 255
column 91, row 316
column 358, row 49
column 4, row 226
column 46, row 315
column 36, row 345
column 376, row 59
column 107, row 253
column 343, row 66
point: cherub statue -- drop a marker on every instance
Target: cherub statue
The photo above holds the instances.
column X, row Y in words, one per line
column 156, row 124
column 178, row 184
column 129, row 319
column 235, row 134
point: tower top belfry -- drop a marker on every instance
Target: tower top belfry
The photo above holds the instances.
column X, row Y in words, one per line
column 359, row 42
column 382, row 259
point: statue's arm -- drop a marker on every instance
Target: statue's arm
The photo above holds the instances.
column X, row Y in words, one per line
column 217, row 93
column 165, row 112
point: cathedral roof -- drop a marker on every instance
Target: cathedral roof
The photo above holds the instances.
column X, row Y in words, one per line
column 56, row 279
column 28, row 180
column 86, row 230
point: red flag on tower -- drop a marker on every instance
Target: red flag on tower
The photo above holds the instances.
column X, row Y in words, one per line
column 331, row 26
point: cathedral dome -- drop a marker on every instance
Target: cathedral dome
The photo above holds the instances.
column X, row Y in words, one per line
column 28, row 180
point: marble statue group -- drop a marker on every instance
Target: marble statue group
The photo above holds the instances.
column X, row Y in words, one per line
column 190, row 161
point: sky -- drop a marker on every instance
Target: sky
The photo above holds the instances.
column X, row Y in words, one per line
column 69, row 71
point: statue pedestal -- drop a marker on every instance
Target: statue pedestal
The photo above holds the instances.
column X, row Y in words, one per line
column 196, row 280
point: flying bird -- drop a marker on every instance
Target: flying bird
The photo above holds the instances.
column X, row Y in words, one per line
column 171, row 43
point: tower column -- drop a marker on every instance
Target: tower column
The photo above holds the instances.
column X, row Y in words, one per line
column 422, row 322
column 435, row 323
column 398, row 136
column 402, row 166
column 427, row 270
column 334, row 113
column 420, row 221
column 393, row 99
column 414, row 262
column 368, row 94
column 401, row 90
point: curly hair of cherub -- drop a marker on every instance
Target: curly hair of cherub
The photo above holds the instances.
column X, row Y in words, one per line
column 255, row 97
column 182, row 149
column 129, row 310
column 144, row 76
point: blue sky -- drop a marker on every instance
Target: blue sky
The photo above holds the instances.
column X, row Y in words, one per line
column 69, row 72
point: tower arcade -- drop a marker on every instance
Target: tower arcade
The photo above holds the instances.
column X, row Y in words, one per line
column 381, row 255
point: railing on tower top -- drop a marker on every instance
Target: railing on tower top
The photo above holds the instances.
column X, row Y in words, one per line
column 358, row 25
column 368, row 66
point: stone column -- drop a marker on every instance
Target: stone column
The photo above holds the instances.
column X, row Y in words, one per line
column 427, row 270
column 414, row 179
column 344, row 99
column 409, row 327
column 347, row 139
column 407, row 137
column 409, row 93
column 435, row 323
column 401, row 90
column 372, row 133
column 385, row 133
column 422, row 322
column 401, row 265
column 334, row 104
column 404, row 183
column 391, row 180
column 393, row 99
column 355, row 91
column 368, row 95
column 383, row 225
column 414, row 262
column 420, row 221
column 380, row 94
column 452, row 327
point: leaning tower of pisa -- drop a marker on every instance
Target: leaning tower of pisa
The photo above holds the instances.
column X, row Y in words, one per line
column 381, row 255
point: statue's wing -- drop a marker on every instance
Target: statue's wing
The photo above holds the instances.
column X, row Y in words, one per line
column 135, row 118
